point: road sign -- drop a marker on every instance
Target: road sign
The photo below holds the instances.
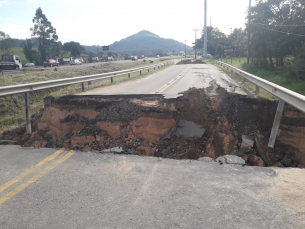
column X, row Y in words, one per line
column 105, row 48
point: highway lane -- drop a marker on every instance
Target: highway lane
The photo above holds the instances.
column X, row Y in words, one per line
column 172, row 81
column 41, row 68
column 54, row 188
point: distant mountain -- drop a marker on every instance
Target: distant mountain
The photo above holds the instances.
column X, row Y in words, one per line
column 144, row 43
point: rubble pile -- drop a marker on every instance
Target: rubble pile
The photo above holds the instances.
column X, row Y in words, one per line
column 200, row 124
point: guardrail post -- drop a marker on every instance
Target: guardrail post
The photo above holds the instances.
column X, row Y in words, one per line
column 154, row 68
column 111, row 79
column 158, row 66
column 83, row 86
column 140, row 72
column 27, row 112
column 257, row 89
column 276, row 123
column 128, row 75
column 147, row 70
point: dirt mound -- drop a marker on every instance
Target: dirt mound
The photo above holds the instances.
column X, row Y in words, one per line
column 190, row 61
column 225, row 124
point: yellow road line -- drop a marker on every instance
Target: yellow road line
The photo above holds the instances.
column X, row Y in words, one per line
column 35, row 178
column 164, row 87
column 31, row 170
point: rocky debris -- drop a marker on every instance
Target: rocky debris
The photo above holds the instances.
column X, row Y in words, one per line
column 7, row 142
column 120, row 150
column 278, row 164
column 165, row 152
column 189, row 129
column 190, row 61
column 255, row 161
column 246, row 144
column 231, row 159
column 200, row 123
column 168, row 135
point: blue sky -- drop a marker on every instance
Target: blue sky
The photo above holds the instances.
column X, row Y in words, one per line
column 97, row 22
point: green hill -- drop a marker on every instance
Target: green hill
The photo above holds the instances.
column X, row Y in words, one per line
column 144, row 43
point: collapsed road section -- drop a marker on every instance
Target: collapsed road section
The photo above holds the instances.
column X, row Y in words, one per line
column 200, row 123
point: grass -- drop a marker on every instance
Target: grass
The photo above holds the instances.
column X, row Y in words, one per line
column 12, row 109
column 272, row 76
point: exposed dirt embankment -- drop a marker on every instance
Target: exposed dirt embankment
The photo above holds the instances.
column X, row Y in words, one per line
column 200, row 123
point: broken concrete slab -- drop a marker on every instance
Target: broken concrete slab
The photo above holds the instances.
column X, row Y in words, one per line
column 246, row 144
column 120, row 150
column 206, row 159
column 113, row 150
column 231, row 159
column 189, row 129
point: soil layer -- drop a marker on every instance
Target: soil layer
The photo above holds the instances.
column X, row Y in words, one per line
column 149, row 125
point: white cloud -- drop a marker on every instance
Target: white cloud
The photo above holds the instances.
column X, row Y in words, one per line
column 17, row 31
column 31, row 1
column 3, row 3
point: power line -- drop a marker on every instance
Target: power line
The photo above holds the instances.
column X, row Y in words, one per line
column 277, row 25
column 287, row 33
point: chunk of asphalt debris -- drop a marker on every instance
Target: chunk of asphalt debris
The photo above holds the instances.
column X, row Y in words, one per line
column 165, row 152
column 231, row 160
column 246, row 144
column 206, row 159
column 189, row 129
column 120, row 150
column 168, row 135
column 221, row 135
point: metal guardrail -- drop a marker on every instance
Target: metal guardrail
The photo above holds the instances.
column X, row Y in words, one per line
column 22, row 88
column 285, row 95
column 27, row 88
column 291, row 97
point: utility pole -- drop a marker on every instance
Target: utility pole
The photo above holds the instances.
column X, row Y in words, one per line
column 195, row 42
column 185, row 48
column 249, row 15
column 205, row 31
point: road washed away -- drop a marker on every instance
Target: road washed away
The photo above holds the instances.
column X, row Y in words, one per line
column 200, row 123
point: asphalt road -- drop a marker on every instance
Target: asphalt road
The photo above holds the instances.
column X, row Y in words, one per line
column 53, row 188
column 91, row 190
column 172, row 81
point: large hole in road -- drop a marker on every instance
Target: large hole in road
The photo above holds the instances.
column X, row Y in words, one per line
column 200, row 123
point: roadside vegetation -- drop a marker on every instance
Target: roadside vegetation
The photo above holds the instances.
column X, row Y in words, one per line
column 277, row 43
column 12, row 109
column 280, row 76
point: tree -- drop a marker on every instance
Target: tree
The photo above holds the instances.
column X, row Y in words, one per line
column 27, row 49
column 215, row 37
column 74, row 47
column 6, row 43
column 219, row 50
column 45, row 32
column 3, row 35
column 272, row 31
